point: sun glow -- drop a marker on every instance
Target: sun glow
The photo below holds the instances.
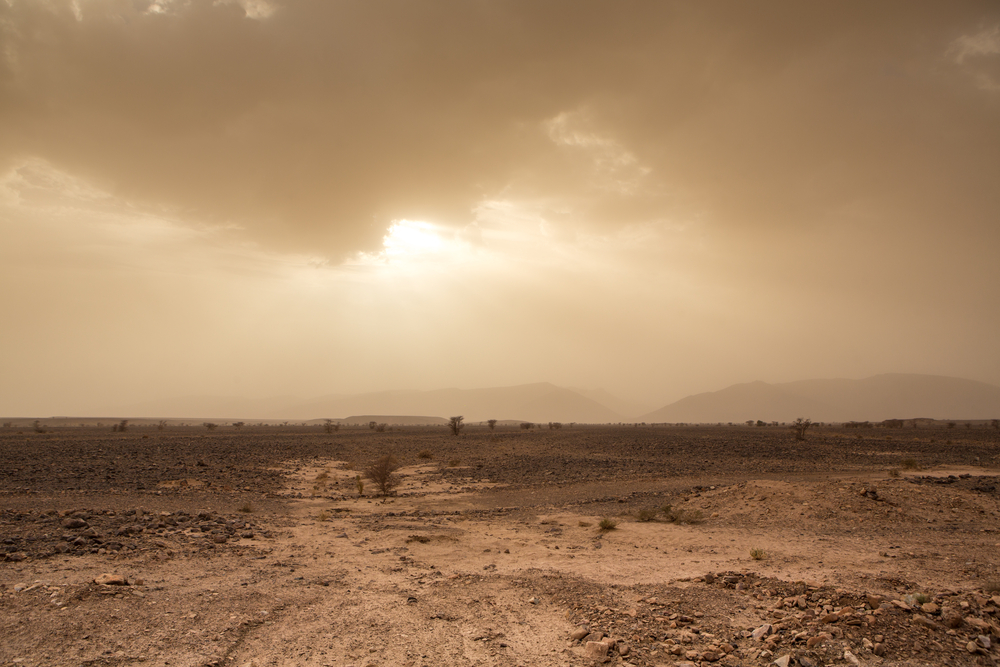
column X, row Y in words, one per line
column 412, row 237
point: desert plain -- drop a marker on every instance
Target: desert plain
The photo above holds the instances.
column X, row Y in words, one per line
column 721, row 545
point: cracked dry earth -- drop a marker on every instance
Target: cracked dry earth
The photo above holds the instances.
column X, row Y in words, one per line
column 259, row 551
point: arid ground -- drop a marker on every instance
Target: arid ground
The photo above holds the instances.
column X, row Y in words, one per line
column 726, row 545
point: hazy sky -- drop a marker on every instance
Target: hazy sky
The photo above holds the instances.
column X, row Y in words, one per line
column 264, row 197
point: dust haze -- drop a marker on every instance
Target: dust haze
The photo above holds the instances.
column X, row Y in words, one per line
column 263, row 198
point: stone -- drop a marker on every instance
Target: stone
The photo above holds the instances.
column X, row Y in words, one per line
column 806, row 662
column 783, row 661
column 709, row 578
column 762, row 631
column 579, row 634
column 972, row 647
column 879, row 649
column 597, row 650
column 983, row 641
column 874, row 601
column 818, row 639
column 851, row 658
column 830, row 618
column 593, row 637
column 929, row 608
column 902, row 605
column 951, row 618
column 927, row 623
column 711, row 656
column 111, row 580
column 74, row 522
column 624, row 650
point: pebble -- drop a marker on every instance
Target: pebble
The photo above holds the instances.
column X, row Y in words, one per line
column 851, row 658
column 579, row 634
column 111, row 580
column 783, row 661
column 597, row 650
column 762, row 631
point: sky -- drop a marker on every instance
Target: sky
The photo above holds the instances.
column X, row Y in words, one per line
column 287, row 197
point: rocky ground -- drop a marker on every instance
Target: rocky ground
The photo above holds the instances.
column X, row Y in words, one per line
column 721, row 545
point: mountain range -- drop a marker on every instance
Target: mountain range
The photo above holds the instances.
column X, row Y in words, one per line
column 889, row 396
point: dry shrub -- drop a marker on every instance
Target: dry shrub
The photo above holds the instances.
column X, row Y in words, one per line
column 246, row 508
column 894, row 472
column 454, row 463
column 992, row 586
column 383, row 473
column 607, row 524
column 323, row 516
column 909, row 464
column 682, row 516
column 645, row 515
column 585, row 524
column 322, row 476
column 758, row 554
column 425, row 454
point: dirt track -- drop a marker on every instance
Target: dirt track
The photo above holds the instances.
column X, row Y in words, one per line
column 253, row 547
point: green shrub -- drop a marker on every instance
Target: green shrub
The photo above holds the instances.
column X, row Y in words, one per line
column 645, row 515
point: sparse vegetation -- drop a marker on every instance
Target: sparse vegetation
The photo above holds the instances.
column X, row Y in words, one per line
column 161, row 425
column 38, row 426
column 584, row 524
column 922, row 598
column 246, row 508
column 909, row 464
column 425, row 454
column 607, row 524
column 383, row 473
column 800, row 426
column 330, row 426
column 210, row 426
column 380, row 428
column 323, row 516
column 555, row 425
column 646, row 515
column 455, row 424
column 239, row 425
column 894, row 472
column 527, row 425
column 454, row 463
column 492, row 423
column 758, row 554
column 682, row 516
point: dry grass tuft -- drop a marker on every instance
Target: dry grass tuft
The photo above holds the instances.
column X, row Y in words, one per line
column 758, row 554
column 607, row 524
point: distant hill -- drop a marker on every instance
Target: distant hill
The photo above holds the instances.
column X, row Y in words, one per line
column 889, row 396
column 395, row 420
column 538, row 402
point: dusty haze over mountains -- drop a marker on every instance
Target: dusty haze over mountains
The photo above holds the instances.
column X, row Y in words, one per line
column 258, row 198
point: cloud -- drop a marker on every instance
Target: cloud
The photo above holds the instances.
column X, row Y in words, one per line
column 983, row 43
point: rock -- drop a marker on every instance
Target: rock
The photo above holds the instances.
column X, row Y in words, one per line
column 783, row 661
column 874, row 601
column 111, row 580
column 818, row 639
column 830, row 618
column 951, row 618
column 983, row 641
column 762, row 631
column 709, row 578
column 597, row 650
column 624, row 650
column 929, row 608
column 533, row 600
column 973, row 647
column 74, row 522
column 593, row 637
column 879, row 649
column 851, row 658
column 927, row 623
column 579, row 634
column 711, row 656
column 219, row 538
column 902, row 605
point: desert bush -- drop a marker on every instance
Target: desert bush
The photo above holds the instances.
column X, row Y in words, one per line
column 645, row 515
column 454, row 463
column 909, row 464
column 210, row 426
column 607, row 524
column 584, row 524
column 323, row 516
column 894, row 472
column 492, row 423
column 758, row 554
column 992, row 586
column 425, row 454
column 330, row 426
column 246, row 508
column 527, row 425
column 38, row 426
column 922, row 598
column 800, row 426
column 383, row 473
column 360, row 484
column 682, row 516
column 380, row 428
column 239, row 425
column 455, row 424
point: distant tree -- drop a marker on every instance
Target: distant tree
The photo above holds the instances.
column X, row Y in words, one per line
column 210, row 426
column 455, row 424
column 951, row 424
column 372, row 425
column 555, row 425
column 330, row 426
column 161, row 425
column 527, row 425
column 750, row 422
column 800, row 426
column 492, row 423
column 383, row 473
column 38, row 426
column 380, row 428
column 238, row 425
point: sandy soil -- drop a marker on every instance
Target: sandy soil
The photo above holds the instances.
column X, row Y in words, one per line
column 254, row 548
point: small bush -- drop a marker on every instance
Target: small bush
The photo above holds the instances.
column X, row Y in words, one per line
column 645, row 515
column 607, row 524
column 894, row 472
column 383, row 473
column 922, row 598
column 246, row 508
column 322, row 476
column 992, row 586
column 454, row 463
column 425, row 454
column 682, row 516
column 323, row 516
column 585, row 524
column 758, row 554
column 909, row 464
